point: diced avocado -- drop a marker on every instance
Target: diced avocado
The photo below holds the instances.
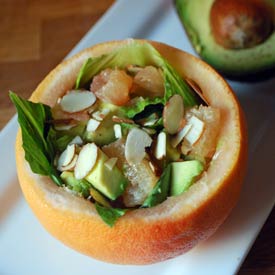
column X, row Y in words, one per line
column 232, row 62
column 81, row 187
column 183, row 175
column 110, row 183
column 104, row 134
column 78, row 130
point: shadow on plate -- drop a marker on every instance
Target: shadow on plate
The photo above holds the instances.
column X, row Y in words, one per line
column 9, row 198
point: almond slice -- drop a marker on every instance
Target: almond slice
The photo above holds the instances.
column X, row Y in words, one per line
column 172, row 114
column 196, row 130
column 160, row 150
column 100, row 115
column 136, row 142
column 122, row 120
column 196, row 89
column 150, row 122
column 180, row 135
column 152, row 167
column 149, row 131
column 110, row 163
column 75, row 101
column 86, row 160
column 76, row 140
column 66, row 156
column 117, row 130
column 92, row 125
column 71, row 165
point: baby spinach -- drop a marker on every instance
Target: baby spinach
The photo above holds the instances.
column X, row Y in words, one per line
column 109, row 215
column 39, row 150
column 161, row 189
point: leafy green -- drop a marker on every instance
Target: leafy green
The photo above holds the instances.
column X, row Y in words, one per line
column 62, row 142
column 150, row 112
column 140, row 54
column 174, row 84
column 161, row 190
column 109, row 215
column 140, row 105
column 39, row 151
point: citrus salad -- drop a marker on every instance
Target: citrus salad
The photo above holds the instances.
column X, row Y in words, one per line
column 129, row 134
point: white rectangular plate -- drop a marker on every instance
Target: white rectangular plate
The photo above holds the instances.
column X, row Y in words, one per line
column 26, row 248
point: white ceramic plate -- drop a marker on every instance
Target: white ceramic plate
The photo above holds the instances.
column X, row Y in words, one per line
column 26, row 248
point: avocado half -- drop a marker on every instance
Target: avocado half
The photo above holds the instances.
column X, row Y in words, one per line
column 234, row 63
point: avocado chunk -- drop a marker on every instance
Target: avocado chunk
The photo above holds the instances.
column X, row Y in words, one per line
column 104, row 134
column 232, row 62
column 110, row 182
column 183, row 175
column 81, row 187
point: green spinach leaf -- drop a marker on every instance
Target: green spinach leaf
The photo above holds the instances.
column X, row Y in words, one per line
column 109, row 215
column 161, row 190
column 39, row 151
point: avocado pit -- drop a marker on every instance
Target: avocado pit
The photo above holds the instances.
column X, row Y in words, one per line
column 240, row 24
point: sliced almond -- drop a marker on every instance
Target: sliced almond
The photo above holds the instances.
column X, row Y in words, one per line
column 136, row 142
column 160, row 150
column 100, row 115
column 86, row 160
column 122, row 120
column 149, row 131
column 117, row 130
column 180, row 135
column 196, row 89
column 77, row 140
column 185, row 148
column 97, row 115
column 196, row 130
column 150, row 122
column 70, row 166
column 110, row 163
column 92, row 125
column 75, row 101
column 66, row 156
column 172, row 114
column 152, row 167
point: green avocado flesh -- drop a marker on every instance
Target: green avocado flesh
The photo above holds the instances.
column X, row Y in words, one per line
column 183, row 175
column 83, row 187
column 104, row 134
column 195, row 18
column 110, row 182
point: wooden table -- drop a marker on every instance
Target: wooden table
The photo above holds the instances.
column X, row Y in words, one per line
column 35, row 36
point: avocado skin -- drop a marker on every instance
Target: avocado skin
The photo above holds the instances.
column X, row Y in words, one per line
column 245, row 65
